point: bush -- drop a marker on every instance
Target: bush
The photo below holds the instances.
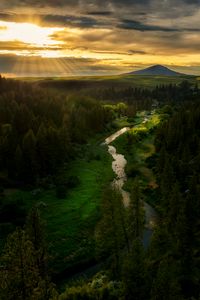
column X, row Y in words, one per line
column 6, row 228
column 151, row 161
column 61, row 191
column 13, row 212
column 73, row 181
column 131, row 171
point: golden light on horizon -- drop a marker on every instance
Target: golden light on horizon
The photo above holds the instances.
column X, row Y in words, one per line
column 69, row 49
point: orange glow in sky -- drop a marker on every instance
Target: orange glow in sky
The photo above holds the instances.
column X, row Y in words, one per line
column 105, row 44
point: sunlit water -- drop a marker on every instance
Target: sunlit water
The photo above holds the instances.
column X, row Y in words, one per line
column 118, row 166
column 115, row 135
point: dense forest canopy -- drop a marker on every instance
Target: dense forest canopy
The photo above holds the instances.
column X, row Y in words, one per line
column 42, row 132
column 38, row 129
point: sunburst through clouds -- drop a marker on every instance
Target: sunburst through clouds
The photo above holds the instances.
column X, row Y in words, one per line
column 61, row 38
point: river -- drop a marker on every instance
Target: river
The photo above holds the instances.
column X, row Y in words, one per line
column 118, row 166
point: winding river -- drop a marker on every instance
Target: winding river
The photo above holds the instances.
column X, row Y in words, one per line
column 118, row 166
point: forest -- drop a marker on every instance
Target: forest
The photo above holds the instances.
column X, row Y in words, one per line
column 45, row 137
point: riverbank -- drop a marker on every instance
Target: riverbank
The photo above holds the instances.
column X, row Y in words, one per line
column 148, row 122
column 137, row 146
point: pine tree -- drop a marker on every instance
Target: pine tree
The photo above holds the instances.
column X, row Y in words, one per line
column 134, row 273
column 23, row 272
column 29, row 166
column 18, row 162
column 19, row 272
column 111, row 235
column 42, row 150
column 175, row 202
column 167, row 182
column 35, row 232
column 166, row 285
column 135, row 213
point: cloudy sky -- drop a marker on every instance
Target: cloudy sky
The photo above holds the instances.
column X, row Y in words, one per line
column 90, row 37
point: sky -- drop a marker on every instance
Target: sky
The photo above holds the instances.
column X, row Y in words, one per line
column 96, row 37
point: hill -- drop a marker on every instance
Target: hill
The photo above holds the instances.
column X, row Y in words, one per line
column 156, row 70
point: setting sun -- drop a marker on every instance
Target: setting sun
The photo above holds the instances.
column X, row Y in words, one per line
column 28, row 33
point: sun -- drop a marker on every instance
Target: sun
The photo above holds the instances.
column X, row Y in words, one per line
column 31, row 34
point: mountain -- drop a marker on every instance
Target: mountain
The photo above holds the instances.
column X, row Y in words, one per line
column 157, row 70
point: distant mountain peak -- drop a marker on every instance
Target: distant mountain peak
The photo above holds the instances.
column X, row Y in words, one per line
column 156, row 70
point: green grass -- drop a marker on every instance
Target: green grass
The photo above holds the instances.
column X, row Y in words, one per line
column 122, row 122
column 120, row 80
column 70, row 222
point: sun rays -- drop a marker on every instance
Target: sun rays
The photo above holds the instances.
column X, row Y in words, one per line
column 68, row 45
column 36, row 66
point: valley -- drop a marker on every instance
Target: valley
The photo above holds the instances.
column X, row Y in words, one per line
column 92, row 179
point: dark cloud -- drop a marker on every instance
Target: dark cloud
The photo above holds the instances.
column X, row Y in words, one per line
column 136, row 25
column 98, row 6
column 93, row 7
column 64, row 3
column 192, row 1
column 55, row 20
column 36, row 3
column 68, row 20
column 99, row 13
column 132, row 52
column 93, row 20
column 141, row 15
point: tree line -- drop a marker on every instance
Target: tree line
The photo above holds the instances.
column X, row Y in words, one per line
column 175, row 247
column 38, row 130
column 144, row 97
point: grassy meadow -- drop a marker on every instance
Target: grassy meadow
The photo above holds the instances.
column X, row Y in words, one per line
column 70, row 221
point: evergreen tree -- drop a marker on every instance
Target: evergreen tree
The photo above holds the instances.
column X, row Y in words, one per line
column 19, row 272
column 35, row 231
column 18, row 162
column 166, row 285
column 111, row 232
column 134, row 273
column 29, row 166
column 135, row 213
column 23, row 272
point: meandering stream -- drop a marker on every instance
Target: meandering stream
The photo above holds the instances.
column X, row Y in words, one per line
column 118, row 166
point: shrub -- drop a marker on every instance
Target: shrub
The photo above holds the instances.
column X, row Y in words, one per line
column 61, row 191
